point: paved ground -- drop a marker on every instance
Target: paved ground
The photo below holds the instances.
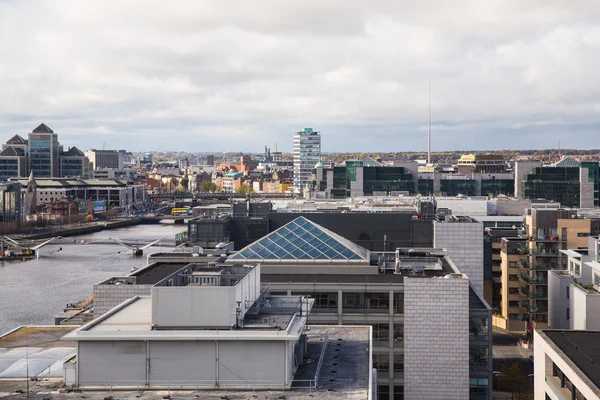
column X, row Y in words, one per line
column 507, row 351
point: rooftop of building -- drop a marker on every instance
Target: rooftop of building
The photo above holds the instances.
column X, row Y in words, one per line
column 299, row 241
column 42, row 128
column 17, row 140
column 582, row 348
column 389, row 269
column 337, row 356
column 189, row 274
column 480, row 157
column 11, row 151
column 567, row 161
column 502, row 232
column 278, row 318
column 148, row 275
column 457, row 219
column 34, row 351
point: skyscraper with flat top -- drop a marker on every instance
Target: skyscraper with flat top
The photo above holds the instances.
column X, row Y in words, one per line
column 307, row 151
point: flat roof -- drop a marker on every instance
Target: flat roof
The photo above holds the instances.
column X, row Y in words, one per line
column 582, row 348
column 132, row 320
column 152, row 273
column 44, row 336
column 345, row 364
column 572, row 253
column 35, row 351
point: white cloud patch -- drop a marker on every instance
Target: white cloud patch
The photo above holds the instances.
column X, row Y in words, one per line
column 213, row 75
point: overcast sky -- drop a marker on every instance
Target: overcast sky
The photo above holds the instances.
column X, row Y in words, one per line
column 238, row 75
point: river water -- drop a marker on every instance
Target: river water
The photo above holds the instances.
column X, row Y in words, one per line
column 35, row 291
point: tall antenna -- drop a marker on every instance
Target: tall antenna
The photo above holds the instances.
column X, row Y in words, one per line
column 429, row 128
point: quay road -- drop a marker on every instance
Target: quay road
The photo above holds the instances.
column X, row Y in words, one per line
column 34, row 291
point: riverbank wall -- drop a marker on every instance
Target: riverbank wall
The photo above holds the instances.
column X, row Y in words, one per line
column 92, row 228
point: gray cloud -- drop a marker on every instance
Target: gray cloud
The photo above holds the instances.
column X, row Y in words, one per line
column 237, row 75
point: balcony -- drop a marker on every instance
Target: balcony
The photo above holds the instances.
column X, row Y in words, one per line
column 537, row 295
column 558, row 391
column 538, row 281
column 524, row 290
column 533, row 280
column 541, row 267
column 545, row 239
column 538, row 310
column 543, row 253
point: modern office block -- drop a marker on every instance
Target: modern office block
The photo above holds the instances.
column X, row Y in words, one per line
column 307, row 152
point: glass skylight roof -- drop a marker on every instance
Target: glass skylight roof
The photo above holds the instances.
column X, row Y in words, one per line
column 301, row 239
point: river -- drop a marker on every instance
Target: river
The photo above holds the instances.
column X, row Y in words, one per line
column 35, row 291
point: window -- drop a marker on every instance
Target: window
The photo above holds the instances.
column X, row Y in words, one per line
column 583, row 234
column 568, row 290
column 398, row 332
column 596, row 278
column 398, row 303
column 398, row 362
column 478, row 356
column 568, row 313
column 325, row 301
column 376, row 302
column 564, row 234
column 381, row 362
column 513, row 278
column 381, row 333
column 513, row 303
column 513, row 290
column 513, row 264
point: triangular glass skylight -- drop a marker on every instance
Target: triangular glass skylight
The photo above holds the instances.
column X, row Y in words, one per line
column 302, row 239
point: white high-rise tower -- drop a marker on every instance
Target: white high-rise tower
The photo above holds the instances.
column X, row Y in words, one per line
column 307, row 152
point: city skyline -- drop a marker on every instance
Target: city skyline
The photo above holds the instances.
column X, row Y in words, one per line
column 503, row 75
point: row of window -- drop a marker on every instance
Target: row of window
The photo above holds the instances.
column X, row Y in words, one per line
column 565, row 382
column 352, row 301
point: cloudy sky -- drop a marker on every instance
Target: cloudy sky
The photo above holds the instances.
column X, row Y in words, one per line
column 238, row 75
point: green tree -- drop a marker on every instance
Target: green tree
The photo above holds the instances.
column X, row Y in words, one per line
column 514, row 381
column 173, row 184
column 245, row 188
column 208, row 186
column 185, row 181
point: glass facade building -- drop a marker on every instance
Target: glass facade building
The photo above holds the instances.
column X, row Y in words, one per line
column 363, row 177
column 9, row 168
column 44, row 153
column 560, row 184
column 41, row 154
column 13, row 199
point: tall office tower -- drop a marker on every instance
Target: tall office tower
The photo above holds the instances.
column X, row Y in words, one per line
column 44, row 152
column 307, row 151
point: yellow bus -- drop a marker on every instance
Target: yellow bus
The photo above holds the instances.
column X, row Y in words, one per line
column 181, row 211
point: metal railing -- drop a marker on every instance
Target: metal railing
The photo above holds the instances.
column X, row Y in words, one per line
column 554, row 390
column 321, row 358
column 221, row 385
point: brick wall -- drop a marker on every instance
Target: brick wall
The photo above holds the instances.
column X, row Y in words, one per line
column 436, row 339
column 108, row 296
column 464, row 243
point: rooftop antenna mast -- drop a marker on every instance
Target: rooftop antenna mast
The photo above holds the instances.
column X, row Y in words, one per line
column 429, row 128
